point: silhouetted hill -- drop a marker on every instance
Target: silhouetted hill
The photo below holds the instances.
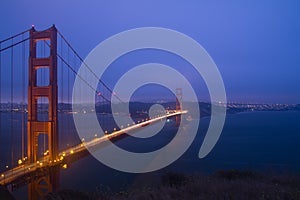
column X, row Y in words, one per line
column 138, row 108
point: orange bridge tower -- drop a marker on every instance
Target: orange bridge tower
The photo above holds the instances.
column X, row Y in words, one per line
column 40, row 187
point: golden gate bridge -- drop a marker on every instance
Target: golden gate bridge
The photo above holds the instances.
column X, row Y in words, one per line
column 38, row 80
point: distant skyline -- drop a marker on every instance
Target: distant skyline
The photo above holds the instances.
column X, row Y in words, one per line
column 255, row 44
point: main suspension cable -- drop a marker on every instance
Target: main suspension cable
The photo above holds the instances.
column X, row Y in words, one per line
column 79, row 76
column 87, row 66
column 75, row 72
column 12, row 37
column 14, row 44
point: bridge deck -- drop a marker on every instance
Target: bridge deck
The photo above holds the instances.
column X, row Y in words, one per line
column 23, row 169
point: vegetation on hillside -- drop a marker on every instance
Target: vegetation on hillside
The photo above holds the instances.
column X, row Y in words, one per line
column 231, row 185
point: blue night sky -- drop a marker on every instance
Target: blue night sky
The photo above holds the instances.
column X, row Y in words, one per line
column 255, row 44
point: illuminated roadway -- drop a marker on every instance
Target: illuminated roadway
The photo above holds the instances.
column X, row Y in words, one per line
column 25, row 168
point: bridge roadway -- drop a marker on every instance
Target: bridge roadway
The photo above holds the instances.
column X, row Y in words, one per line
column 26, row 168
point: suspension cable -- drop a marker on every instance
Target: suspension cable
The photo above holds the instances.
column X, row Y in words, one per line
column 62, row 73
column 74, row 71
column 89, row 68
column 14, row 44
column 23, row 99
column 85, row 81
column 79, row 76
column 11, row 105
column 0, row 96
column 62, row 125
column 68, row 97
column 12, row 37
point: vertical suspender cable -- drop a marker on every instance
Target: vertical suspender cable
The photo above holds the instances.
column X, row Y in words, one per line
column 73, row 81
column 68, row 135
column 87, row 67
column 11, row 103
column 23, row 98
column 0, row 95
column 62, row 72
column 62, row 127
